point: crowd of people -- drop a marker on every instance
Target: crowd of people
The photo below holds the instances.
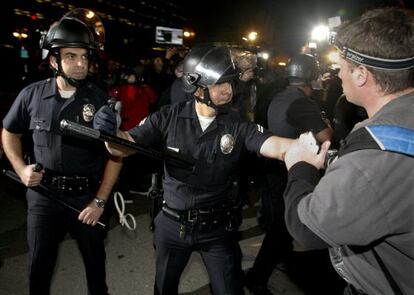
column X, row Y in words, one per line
column 340, row 220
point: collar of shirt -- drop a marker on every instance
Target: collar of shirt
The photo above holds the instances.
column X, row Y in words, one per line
column 49, row 89
column 188, row 111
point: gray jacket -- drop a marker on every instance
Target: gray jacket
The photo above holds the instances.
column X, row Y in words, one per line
column 364, row 201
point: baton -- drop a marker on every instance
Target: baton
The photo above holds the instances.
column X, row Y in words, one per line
column 103, row 136
column 43, row 190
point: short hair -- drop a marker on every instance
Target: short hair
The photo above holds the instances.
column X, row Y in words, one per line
column 383, row 33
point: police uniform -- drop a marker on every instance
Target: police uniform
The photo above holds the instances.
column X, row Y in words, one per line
column 73, row 167
column 290, row 113
column 198, row 204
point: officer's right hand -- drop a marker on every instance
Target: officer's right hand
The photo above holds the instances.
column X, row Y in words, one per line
column 29, row 177
column 105, row 120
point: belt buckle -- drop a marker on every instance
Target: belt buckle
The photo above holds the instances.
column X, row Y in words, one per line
column 192, row 215
column 59, row 182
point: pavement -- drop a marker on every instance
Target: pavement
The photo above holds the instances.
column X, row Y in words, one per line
column 130, row 254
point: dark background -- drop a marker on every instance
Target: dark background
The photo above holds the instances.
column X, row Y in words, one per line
column 283, row 26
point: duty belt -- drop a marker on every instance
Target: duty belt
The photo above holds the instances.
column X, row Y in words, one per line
column 71, row 184
column 196, row 215
column 203, row 219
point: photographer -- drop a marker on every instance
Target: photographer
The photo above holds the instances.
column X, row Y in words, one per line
column 362, row 209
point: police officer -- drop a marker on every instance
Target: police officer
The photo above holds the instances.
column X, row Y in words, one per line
column 291, row 112
column 200, row 210
column 72, row 166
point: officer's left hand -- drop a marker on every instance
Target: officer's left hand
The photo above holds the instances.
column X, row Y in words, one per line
column 299, row 152
column 91, row 214
column 105, row 120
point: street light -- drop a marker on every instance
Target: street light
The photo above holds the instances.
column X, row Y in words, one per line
column 252, row 36
column 20, row 35
column 264, row 55
column 188, row 34
column 90, row 14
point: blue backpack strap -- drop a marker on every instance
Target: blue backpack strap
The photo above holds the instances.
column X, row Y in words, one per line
column 381, row 137
column 393, row 138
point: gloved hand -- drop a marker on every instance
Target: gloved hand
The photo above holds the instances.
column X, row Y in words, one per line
column 105, row 120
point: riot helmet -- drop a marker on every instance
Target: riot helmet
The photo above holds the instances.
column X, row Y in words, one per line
column 302, row 69
column 205, row 66
column 80, row 28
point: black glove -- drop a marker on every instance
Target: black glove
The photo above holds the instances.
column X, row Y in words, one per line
column 105, row 120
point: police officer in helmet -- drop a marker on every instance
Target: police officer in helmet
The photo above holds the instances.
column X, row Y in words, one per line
column 200, row 208
column 76, row 170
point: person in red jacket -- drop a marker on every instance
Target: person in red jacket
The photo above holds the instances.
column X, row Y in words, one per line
column 136, row 100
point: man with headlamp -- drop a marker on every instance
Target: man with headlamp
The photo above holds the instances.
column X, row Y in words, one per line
column 362, row 209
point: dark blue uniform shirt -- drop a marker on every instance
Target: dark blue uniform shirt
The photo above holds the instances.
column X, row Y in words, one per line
column 40, row 108
column 291, row 113
column 178, row 129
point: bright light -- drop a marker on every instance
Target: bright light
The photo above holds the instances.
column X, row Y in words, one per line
column 188, row 34
column 252, row 36
column 320, row 33
column 245, row 39
column 90, row 14
column 24, row 35
column 263, row 55
column 15, row 34
column 282, row 64
column 335, row 66
column 312, row 45
column 333, row 56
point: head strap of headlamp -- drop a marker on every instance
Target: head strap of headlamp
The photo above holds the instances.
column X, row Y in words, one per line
column 375, row 62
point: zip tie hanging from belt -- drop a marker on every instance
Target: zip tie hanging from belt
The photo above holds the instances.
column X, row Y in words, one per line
column 120, row 208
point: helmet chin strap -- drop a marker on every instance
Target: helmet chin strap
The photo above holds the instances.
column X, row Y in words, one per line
column 220, row 109
column 59, row 72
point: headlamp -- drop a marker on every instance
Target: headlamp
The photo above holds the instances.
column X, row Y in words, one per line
column 371, row 61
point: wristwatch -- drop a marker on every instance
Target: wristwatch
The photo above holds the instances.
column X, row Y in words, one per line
column 100, row 203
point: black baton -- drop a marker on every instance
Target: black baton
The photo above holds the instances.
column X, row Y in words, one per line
column 43, row 190
column 102, row 136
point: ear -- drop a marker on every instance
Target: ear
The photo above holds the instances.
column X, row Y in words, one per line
column 53, row 62
column 199, row 93
column 360, row 75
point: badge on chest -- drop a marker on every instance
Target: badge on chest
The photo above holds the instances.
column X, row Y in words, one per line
column 227, row 143
column 88, row 111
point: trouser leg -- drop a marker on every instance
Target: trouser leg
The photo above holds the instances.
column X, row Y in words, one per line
column 222, row 255
column 44, row 234
column 277, row 243
column 90, row 241
column 172, row 255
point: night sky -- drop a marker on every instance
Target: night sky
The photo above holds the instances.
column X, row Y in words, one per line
column 284, row 24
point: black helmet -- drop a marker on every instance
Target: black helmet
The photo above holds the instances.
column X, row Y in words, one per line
column 79, row 28
column 68, row 33
column 302, row 69
column 208, row 65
